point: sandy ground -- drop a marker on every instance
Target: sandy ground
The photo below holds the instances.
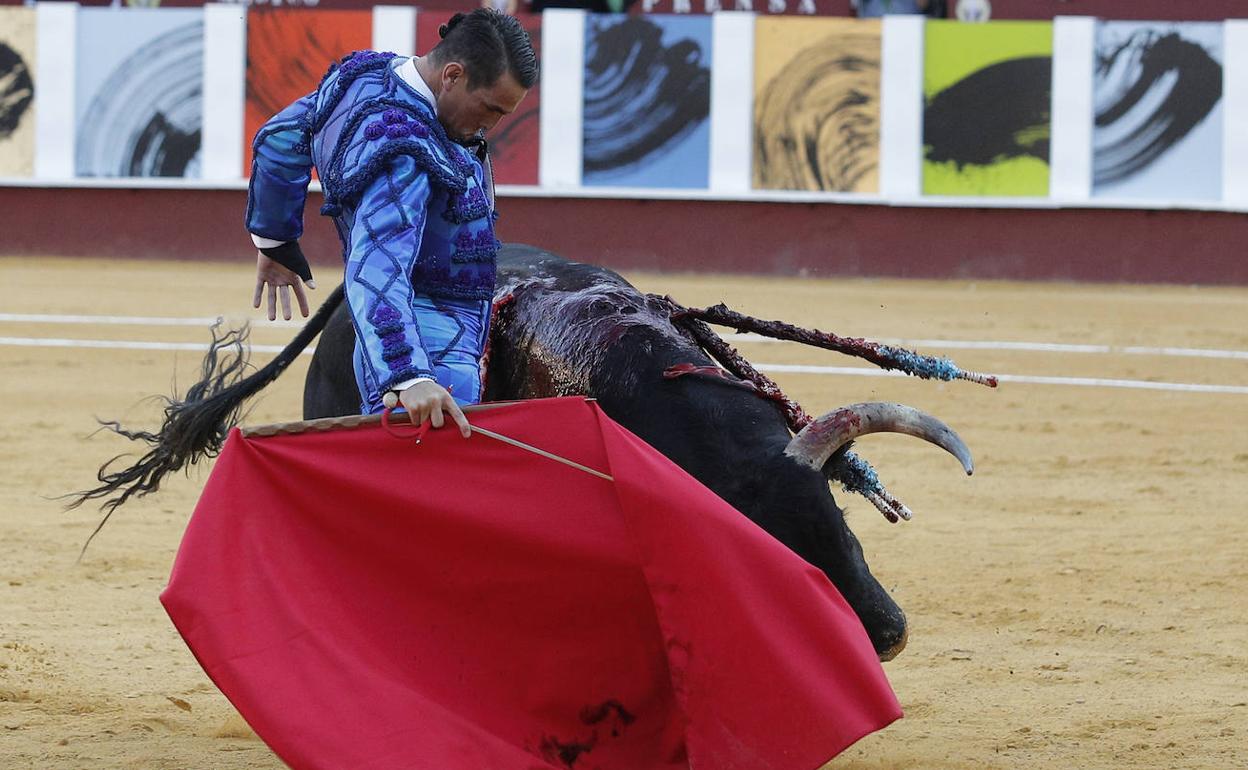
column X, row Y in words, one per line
column 1075, row 604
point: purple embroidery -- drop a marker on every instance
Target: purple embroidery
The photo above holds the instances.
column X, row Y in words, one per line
column 482, row 247
column 483, row 239
column 397, row 131
column 470, row 205
column 392, row 116
column 468, row 282
column 362, row 59
column 393, row 348
column 388, row 328
column 438, row 272
column 387, row 324
column 384, row 313
column 374, row 131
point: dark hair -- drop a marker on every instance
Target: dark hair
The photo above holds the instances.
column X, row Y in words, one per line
column 485, row 41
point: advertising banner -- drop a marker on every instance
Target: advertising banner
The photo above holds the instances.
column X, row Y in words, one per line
column 1158, row 103
column 139, row 97
column 17, row 91
column 289, row 51
column 647, row 101
column 987, row 91
column 816, row 104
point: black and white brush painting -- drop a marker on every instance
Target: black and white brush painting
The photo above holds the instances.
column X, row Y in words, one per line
column 140, row 100
column 1158, row 111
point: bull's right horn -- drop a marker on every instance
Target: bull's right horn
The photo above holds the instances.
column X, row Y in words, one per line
column 822, row 437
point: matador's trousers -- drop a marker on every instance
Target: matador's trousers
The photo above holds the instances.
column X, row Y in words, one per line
column 453, row 333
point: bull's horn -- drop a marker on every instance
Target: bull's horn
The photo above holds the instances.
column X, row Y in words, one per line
column 821, row 438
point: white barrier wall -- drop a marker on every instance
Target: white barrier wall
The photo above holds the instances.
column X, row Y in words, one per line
column 901, row 107
column 1070, row 178
column 731, row 103
column 225, row 63
column 563, row 67
column 394, row 29
column 56, row 69
column 1235, row 130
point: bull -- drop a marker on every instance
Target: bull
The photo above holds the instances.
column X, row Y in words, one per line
column 564, row 328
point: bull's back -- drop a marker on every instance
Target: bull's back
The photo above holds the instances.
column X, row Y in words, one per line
column 569, row 328
column 520, row 264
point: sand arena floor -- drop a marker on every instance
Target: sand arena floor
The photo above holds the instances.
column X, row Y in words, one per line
column 1078, row 603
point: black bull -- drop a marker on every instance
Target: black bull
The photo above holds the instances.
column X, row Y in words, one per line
column 564, row 328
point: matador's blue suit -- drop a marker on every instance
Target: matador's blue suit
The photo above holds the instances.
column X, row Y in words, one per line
column 411, row 210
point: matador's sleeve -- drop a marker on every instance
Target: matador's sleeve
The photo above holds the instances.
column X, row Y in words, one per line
column 388, row 225
column 281, row 170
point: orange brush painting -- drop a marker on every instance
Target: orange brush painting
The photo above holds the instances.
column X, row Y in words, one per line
column 288, row 52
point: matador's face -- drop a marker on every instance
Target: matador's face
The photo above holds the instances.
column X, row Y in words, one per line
column 467, row 112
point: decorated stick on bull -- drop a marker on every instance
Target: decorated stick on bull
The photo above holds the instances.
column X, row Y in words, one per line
column 817, row 441
column 734, row 362
column 883, row 356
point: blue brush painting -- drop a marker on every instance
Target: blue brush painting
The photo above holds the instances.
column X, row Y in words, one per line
column 647, row 101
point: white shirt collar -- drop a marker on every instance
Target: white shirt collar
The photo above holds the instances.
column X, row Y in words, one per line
column 407, row 71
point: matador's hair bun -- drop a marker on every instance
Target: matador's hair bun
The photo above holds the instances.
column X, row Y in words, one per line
column 450, row 25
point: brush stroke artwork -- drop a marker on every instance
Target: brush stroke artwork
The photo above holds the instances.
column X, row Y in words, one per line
column 17, row 91
column 288, row 52
column 143, row 116
column 997, row 113
column 1157, row 99
column 817, row 105
column 986, row 121
column 647, row 101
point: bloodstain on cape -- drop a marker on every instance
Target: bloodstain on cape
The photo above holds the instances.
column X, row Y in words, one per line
column 368, row 602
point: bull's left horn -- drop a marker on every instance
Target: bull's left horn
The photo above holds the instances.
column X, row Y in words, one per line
column 821, row 438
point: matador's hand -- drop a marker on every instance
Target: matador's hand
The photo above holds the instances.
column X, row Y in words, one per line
column 427, row 400
column 279, row 280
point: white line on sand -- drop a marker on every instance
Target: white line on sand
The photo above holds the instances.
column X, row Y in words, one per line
column 49, row 342
column 1044, row 347
column 1087, row 382
column 131, row 320
column 781, row 368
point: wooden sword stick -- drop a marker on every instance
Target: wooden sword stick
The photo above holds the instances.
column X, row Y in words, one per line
column 370, row 420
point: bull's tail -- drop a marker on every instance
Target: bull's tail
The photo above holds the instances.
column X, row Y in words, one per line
column 196, row 426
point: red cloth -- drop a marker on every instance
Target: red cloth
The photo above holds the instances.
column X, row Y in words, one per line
column 370, row 603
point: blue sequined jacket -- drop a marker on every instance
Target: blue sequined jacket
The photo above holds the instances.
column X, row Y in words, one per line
column 409, row 204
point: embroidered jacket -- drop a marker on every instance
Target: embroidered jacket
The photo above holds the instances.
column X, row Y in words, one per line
column 409, row 204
